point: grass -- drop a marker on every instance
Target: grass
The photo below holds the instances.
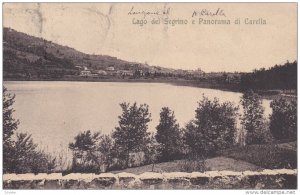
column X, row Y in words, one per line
column 213, row 164
column 274, row 156
column 289, row 146
column 252, row 158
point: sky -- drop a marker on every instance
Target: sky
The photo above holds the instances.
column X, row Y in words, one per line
column 108, row 29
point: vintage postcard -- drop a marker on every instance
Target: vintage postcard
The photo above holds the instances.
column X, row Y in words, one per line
column 149, row 96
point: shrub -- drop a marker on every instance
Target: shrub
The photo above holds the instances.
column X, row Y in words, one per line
column 193, row 163
column 265, row 156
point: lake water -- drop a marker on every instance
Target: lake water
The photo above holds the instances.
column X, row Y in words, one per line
column 55, row 112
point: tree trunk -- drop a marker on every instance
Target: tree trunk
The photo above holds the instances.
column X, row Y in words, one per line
column 127, row 159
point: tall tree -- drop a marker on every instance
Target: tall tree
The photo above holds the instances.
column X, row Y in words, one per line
column 213, row 129
column 168, row 135
column 253, row 120
column 10, row 125
column 131, row 135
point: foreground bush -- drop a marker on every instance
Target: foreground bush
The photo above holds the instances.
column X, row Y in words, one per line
column 193, row 163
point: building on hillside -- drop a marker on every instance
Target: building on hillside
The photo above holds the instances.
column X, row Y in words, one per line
column 79, row 68
column 85, row 73
column 110, row 68
column 102, row 72
column 125, row 73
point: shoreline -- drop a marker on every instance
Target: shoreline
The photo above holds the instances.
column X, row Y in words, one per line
column 265, row 94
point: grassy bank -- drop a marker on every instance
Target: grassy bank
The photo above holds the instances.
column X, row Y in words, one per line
column 273, row 156
column 212, row 164
column 247, row 158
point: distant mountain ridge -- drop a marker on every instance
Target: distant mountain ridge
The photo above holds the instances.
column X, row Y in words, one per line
column 24, row 53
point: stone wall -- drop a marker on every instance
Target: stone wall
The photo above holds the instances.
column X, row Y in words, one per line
column 266, row 179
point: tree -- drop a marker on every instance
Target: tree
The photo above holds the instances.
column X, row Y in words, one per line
column 277, row 77
column 152, row 151
column 131, row 135
column 27, row 159
column 106, row 149
column 253, row 120
column 85, row 154
column 213, row 129
column 10, row 125
column 283, row 120
column 24, row 149
column 168, row 135
column 20, row 154
column 192, row 138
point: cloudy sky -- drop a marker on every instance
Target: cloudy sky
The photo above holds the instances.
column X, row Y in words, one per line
column 102, row 28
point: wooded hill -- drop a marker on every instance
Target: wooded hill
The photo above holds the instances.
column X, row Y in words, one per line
column 24, row 54
column 277, row 77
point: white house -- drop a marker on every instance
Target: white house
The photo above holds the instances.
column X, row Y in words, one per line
column 111, row 68
column 85, row 73
column 125, row 73
column 102, row 72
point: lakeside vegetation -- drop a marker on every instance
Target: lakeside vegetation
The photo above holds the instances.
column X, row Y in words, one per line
column 212, row 133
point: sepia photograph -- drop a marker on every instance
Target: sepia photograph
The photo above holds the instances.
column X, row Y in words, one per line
column 149, row 96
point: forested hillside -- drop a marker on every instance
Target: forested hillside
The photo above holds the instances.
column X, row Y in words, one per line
column 277, row 77
column 24, row 54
